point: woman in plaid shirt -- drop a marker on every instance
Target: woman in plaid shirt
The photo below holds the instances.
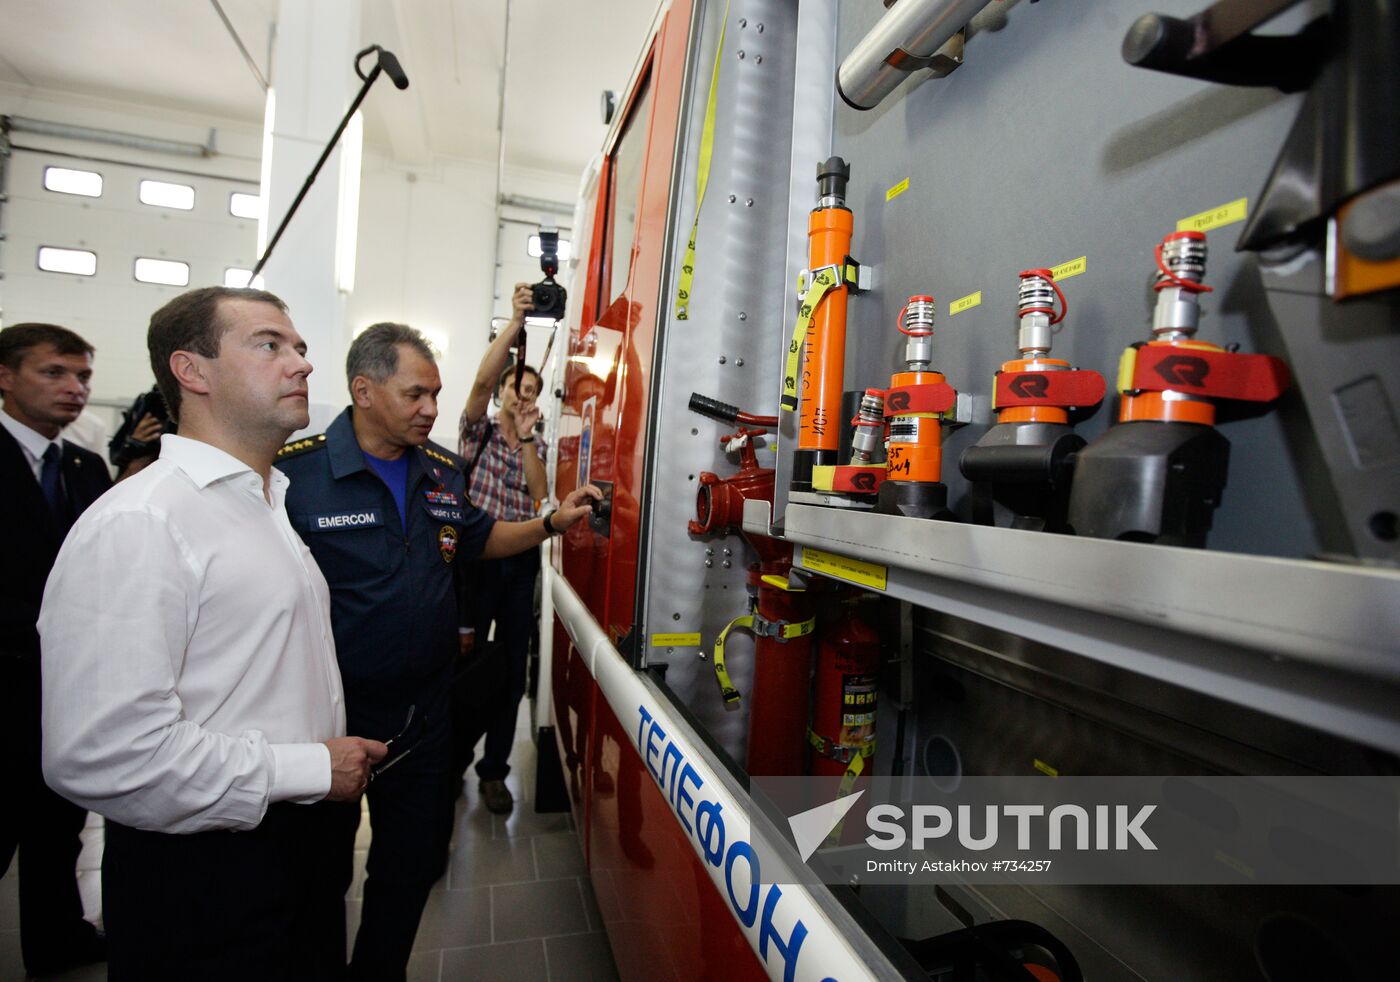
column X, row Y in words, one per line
column 505, row 478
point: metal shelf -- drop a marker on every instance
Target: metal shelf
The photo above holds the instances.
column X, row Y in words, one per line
column 1315, row 642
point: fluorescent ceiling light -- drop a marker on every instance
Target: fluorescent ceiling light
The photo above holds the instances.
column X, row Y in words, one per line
column 79, row 262
column 65, row 180
column 238, row 278
column 163, row 194
column 165, row 272
column 241, row 205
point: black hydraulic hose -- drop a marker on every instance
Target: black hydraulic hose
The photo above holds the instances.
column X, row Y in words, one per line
column 726, row 413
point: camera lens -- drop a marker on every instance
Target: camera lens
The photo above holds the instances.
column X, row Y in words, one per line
column 549, row 299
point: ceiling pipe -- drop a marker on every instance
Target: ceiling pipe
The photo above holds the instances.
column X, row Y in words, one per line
column 902, row 42
column 536, row 204
column 132, row 141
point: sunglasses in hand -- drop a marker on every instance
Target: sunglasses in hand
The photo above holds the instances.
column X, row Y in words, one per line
column 403, row 743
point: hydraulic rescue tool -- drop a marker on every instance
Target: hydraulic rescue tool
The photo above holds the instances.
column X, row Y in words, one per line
column 1159, row 474
column 1021, row 467
column 816, row 356
column 918, row 404
column 779, row 614
column 857, row 482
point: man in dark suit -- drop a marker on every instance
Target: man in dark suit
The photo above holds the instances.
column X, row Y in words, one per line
column 45, row 483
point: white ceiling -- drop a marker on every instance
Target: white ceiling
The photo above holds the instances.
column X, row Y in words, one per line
column 177, row 54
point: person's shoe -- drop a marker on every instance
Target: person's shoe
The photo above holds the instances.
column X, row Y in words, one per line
column 497, row 796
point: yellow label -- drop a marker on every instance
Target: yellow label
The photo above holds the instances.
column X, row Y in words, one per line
column 897, row 190
column 966, row 303
column 1045, row 768
column 1235, row 211
column 844, row 568
column 676, row 640
column 1072, row 268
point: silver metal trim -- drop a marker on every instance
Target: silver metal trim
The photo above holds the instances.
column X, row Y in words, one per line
column 670, row 244
column 1345, row 617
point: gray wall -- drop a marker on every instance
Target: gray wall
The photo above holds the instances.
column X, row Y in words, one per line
column 1043, row 147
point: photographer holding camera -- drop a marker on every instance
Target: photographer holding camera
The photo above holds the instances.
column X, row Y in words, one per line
column 137, row 441
column 505, row 477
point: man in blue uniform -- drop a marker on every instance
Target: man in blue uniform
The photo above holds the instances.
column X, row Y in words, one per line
column 385, row 512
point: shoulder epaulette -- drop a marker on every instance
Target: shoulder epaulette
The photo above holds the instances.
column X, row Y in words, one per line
column 442, row 457
column 304, row 445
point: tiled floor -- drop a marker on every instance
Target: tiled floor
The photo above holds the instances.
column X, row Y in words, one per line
column 515, row 904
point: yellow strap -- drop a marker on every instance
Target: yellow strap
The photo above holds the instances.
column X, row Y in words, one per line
column 828, row 747
column 782, row 583
column 855, row 767
column 726, row 687
column 702, row 178
column 788, row 631
column 799, row 629
column 1127, row 367
column 854, row 770
column 824, row 281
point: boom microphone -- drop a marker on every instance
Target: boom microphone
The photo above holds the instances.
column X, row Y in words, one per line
column 393, row 69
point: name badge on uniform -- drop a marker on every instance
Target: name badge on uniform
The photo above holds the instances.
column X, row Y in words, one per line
column 344, row 520
column 441, row 496
column 447, row 543
column 446, row 514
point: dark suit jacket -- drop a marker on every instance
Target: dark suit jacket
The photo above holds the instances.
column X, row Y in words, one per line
column 30, row 538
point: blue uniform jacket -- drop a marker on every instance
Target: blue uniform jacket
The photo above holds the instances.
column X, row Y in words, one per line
column 393, row 589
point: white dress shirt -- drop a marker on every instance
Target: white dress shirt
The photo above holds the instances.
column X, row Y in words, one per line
column 32, row 442
column 189, row 670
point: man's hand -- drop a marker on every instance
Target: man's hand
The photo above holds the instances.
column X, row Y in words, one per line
column 526, row 414
column 522, row 301
column 351, row 758
column 575, row 506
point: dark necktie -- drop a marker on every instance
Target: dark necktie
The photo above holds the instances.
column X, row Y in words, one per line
column 51, row 482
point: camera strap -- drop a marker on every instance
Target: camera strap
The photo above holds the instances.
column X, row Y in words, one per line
column 702, row 177
column 480, row 449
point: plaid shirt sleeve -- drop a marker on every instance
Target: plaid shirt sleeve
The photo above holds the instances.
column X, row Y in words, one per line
column 471, row 434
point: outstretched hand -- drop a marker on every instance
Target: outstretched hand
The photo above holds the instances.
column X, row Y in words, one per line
column 576, row 505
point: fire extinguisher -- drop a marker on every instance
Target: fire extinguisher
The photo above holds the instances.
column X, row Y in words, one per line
column 845, row 695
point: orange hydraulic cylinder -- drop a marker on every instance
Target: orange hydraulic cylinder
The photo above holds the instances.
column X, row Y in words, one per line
column 1033, row 414
column 1158, row 407
column 916, row 439
column 824, row 357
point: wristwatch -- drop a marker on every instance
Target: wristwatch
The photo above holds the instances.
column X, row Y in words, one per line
column 526, row 439
column 549, row 524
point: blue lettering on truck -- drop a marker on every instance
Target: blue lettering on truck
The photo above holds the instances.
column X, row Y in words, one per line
column 703, row 820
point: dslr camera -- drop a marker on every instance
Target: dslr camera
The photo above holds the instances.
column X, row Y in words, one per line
column 124, row 448
column 547, row 295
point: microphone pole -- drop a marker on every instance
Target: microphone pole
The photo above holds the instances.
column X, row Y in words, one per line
column 386, row 62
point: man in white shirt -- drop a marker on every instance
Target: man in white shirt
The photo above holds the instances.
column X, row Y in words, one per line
column 189, row 673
